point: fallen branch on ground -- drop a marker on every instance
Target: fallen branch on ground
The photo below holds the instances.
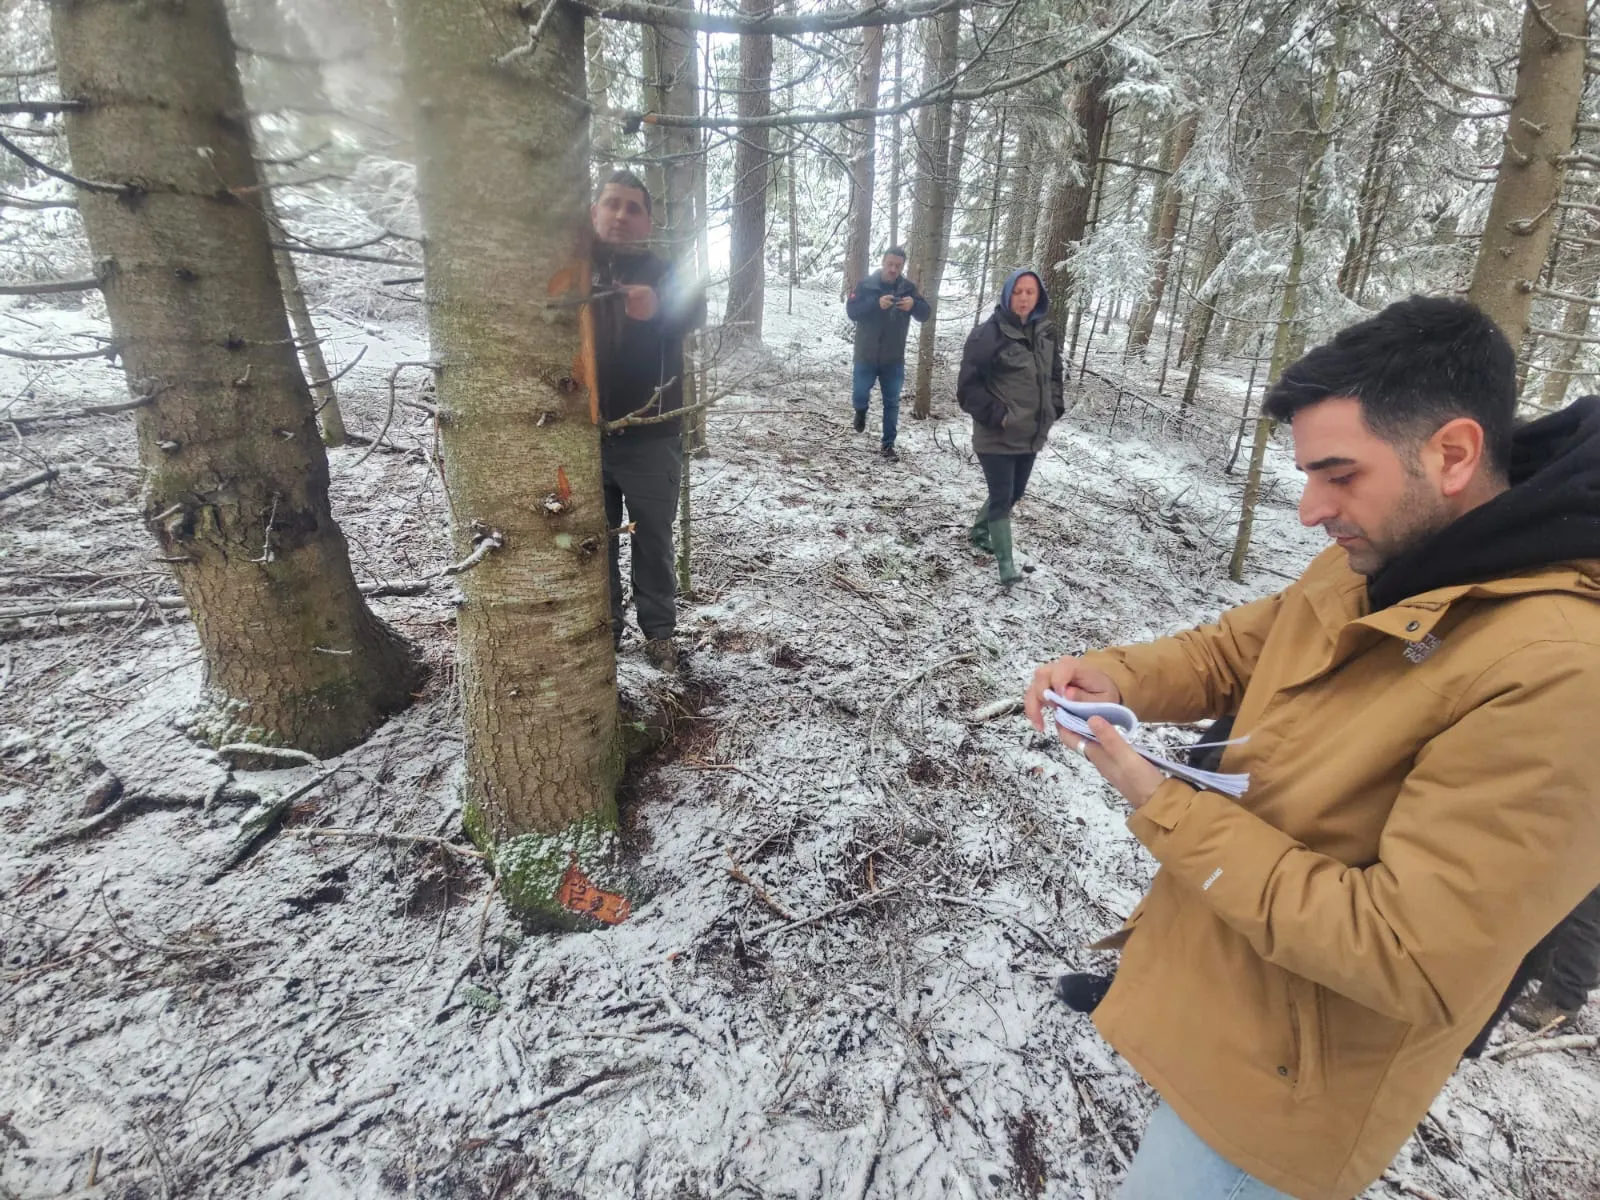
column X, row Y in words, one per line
column 265, row 1148
column 403, row 839
column 130, row 803
column 79, row 608
column 836, row 910
column 996, row 708
column 258, row 829
column 34, row 480
column 735, row 871
column 1571, row 1041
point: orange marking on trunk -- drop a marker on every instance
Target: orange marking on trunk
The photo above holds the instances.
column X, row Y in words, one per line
column 563, row 488
column 578, row 894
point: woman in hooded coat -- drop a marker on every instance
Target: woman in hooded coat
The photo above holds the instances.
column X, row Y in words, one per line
column 1011, row 384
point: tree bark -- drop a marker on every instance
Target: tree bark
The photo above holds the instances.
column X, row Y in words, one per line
column 1288, row 336
column 895, row 169
column 858, row 242
column 747, row 271
column 1202, row 313
column 1021, row 208
column 1163, row 230
column 237, row 481
column 504, row 203
column 944, row 197
column 1069, row 208
column 1374, row 178
column 1539, row 134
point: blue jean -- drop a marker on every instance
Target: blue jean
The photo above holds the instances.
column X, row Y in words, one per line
column 1174, row 1164
column 890, row 378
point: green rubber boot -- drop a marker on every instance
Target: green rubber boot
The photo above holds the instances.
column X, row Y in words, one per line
column 978, row 534
column 1000, row 534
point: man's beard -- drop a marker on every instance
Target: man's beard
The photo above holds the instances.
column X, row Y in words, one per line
column 1420, row 515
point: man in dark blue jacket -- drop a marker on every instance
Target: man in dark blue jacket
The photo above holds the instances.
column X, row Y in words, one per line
column 882, row 306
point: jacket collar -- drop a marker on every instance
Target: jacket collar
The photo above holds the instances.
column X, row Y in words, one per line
column 1338, row 597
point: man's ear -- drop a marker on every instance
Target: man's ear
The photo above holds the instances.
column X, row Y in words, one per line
column 1458, row 448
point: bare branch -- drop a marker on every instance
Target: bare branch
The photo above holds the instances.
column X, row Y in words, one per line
column 639, row 12
column 483, row 545
column 1421, row 60
column 1525, row 287
column 88, row 185
column 1559, row 336
column 9, row 201
column 635, row 117
column 330, row 252
column 52, row 287
column 340, row 373
column 39, row 108
column 107, row 351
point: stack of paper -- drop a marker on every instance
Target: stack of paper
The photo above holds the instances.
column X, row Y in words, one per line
column 1074, row 715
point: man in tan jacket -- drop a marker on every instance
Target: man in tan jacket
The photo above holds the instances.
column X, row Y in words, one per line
column 1312, row 958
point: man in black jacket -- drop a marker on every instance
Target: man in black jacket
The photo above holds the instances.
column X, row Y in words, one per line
column 641, row 313
column 882, row 306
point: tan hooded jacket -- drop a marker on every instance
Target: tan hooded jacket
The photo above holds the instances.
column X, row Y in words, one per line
column 1424, row 805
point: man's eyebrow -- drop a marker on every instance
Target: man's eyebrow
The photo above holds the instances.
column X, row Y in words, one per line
column 1323, row 464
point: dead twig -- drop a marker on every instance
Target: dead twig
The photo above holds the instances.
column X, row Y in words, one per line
column 31, row 481
column 257, row 829
column 1571, row 1041
column 736, row 872
column 259, row 1152
column 398, row 839
column 836, row 910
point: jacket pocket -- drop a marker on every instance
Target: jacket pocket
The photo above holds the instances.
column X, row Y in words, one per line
column 1306, row 1010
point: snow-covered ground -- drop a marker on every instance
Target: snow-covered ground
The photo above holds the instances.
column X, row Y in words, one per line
column 841, row 986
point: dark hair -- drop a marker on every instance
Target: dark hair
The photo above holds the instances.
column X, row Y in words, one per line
column 628, row 179
column 898, row 252
column 1415, row 366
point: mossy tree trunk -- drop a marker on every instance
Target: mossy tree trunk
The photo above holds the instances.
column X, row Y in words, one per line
column 504, row 204
column 1539, row 133
column 236, row 490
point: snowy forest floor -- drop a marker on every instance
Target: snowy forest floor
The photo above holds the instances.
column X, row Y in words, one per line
column 841, row 987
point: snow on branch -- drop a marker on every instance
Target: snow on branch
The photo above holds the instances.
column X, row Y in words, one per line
column 640, row 12
column 631, row 119
column 49, row 287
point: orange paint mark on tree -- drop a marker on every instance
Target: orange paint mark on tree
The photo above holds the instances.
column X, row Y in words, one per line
column 563, row 488
column 578, row 894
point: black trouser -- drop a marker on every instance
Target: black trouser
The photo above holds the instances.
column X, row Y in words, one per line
column 643, row 473
column 1571, row 966
column 1566, row 965
column 1007, row 477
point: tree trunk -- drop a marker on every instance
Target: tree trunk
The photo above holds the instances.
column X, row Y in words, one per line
column 236, row 490
column 1021, row 209
column 1163, row 230
column 504, row 203
column 1202, row 313
column 747, row 270
column 894, row 136
column 1539, row 133
column 986, row 285
column 318, row 378
column 1288, row 334
column 682, row 221
column 1069, row 208
column 1374, row 177
column 944, row 195
column 858, row 243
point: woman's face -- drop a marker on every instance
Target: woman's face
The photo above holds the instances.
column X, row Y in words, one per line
column 1024, row 296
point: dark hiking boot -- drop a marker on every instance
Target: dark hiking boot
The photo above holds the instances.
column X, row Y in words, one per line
column 888, row 454
column 978, row 532
column 860, row 421
column 662, row 653
column 1539, row 1011
column 1083, row 992
column 1000, row 536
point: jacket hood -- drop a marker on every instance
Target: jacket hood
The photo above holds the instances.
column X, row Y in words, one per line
column 1039, row 310
column 1550, row 514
